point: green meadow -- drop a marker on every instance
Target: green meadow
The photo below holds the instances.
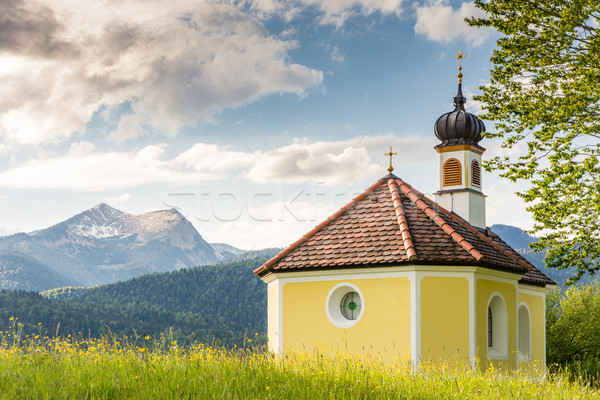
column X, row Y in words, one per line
column 40, row 367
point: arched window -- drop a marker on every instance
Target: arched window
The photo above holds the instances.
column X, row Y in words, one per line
column 497, row 327
column 452, row 172
column 524, row 327
column 475, row 174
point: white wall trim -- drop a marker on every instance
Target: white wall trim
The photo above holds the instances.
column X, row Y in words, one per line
column 384, row 271
column 472, row 321
column 280, row 317
column 370, row 274
column 517, row 324
column 544, row 331
column 536, row 291
column 415, row 319
column 498, row 276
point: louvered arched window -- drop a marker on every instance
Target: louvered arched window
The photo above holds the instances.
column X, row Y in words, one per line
column 452, row 172
column 475, row 174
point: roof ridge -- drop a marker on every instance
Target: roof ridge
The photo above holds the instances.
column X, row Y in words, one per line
column 516, row 257
column 492, row 242
column 416, row 197
column 316, row 229
column 519, row 260
column 409, row 247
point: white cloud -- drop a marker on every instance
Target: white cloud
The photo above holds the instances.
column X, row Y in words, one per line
column 210, row 157
column 472, row 106
column 130, row 126
column 336, row 55
column 6, row 230
column 338, row 162
column 347, row 162
column 62, row 61
column 98, row 171
column 438, row 21
column 330, row 12
column 117, row 199
column 81, row 148
column 337, row 12
column 504, row 206
column 332, row 162
column 174, row 66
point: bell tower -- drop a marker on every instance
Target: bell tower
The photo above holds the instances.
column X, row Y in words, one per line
column 460, row 159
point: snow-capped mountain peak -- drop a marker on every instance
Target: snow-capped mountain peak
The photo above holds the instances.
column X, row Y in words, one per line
column 103, row 244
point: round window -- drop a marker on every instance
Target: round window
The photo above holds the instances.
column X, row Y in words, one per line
column 345, row 305
column 350, row 305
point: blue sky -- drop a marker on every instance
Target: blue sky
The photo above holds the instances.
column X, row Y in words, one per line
column 257, row 119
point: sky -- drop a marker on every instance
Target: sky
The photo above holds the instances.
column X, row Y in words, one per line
column 255, row 118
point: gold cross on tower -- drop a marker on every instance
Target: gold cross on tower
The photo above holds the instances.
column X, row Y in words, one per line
column 390, row 168
column 459, row 57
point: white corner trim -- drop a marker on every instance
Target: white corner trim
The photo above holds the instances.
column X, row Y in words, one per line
column 415, row 318
column 472, row 321
column 544, row 330
column 280, row 317
column 270, row 277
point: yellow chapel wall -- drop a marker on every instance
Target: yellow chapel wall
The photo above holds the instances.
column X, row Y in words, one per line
column 383, row 330
column 484, row 289
column 445, row 319
column 536, row 305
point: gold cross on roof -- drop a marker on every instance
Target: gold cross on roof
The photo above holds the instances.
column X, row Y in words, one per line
column 459, row 57
column 390, row 168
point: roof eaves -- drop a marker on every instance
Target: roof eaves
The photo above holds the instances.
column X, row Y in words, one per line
column 416, row 197
column 266, row 266
column 409, row 247
column 493, row 243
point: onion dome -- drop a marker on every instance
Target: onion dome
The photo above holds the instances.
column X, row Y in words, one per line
column 459, row 126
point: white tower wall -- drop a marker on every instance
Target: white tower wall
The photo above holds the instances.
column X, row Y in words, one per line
column 464, row 199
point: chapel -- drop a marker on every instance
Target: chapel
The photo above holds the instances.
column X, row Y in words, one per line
column 398, row 275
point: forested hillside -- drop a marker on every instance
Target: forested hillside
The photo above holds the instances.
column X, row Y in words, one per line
column 222, row 301
column 20, row 271
column 229, row 290
column 40, row 315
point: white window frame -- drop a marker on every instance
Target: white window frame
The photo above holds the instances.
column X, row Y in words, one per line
column 523, row 356
column 333, row 302
column 499, row 348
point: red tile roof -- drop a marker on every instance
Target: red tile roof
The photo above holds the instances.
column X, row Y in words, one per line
column 392, row 223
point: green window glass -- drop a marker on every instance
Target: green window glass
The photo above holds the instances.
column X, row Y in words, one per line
column 350, row 305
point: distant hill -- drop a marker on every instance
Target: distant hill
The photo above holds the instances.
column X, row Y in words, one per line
column 19, row 271
column 62, row 318
column 520, row 240
column 225, row 251
column 222, row 301
column 104, row 245
column 229, row 291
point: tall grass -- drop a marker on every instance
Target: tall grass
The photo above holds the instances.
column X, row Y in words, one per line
column 46, row 368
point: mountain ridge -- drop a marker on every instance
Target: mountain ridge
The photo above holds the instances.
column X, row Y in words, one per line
column 102, row 245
